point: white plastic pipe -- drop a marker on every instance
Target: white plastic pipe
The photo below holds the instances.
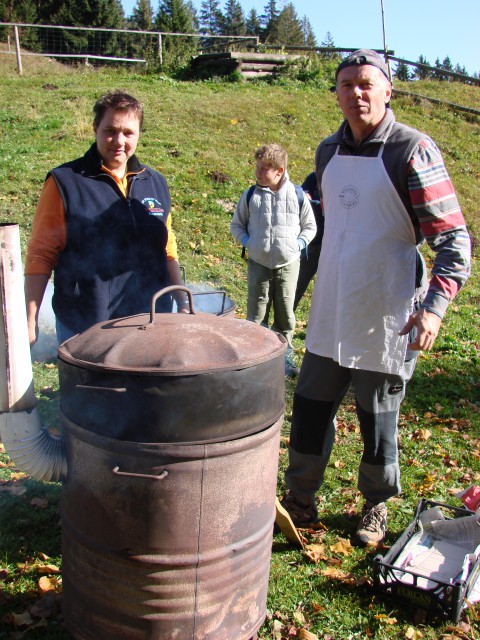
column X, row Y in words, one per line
column 27, row 442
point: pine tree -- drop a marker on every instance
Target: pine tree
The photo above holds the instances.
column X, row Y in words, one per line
column 328, row 42
column 309, row 39
column 289, row 28
column 402, row 72
column 269, row 20
column 234, row 19
column 211, row 17
column 253, row 25
column 460, row 69
column 437, row 74
column 420, row 72
column 142, row 16
column 175, row 16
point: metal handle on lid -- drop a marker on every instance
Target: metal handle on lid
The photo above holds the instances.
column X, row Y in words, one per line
column 173, row 287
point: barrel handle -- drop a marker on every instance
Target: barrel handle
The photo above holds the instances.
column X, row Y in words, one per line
column 173, row 287
column 117, row 472
column 215, row 291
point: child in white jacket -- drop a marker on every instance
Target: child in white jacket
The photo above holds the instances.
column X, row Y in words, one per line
column 274, row 226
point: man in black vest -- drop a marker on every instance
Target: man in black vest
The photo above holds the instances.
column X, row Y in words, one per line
column 103, row 226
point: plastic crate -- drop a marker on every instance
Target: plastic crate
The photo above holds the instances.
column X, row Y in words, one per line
column 441, row 595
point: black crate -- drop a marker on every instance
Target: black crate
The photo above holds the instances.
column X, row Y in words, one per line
column 440, row 598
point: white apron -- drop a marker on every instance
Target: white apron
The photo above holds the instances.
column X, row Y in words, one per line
column 365, row 282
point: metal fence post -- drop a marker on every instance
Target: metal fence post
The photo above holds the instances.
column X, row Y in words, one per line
column 17, row 48
column 160, row 53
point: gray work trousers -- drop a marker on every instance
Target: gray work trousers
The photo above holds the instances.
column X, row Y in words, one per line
column 321, row 387
column 273, row 288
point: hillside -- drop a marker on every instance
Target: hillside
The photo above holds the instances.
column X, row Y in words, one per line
column 202, row 136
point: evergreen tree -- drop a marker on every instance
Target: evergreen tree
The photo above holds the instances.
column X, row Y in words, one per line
column 253, row 25
column 234, row 19
column 437, row 74
column 211, row 17
column 448, row 66
column 269, row 20
column 142, row 16
column 309, row 39
column 288, row 27
column 175, row 16
column 328, row 42
column 402, row 72
column 193, row 12
column 420, row 72
column 460, row 69
column 18, row 11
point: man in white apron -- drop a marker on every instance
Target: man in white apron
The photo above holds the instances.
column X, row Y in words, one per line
column 384, row 188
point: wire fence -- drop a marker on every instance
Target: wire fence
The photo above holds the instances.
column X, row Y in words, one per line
column 89, row 44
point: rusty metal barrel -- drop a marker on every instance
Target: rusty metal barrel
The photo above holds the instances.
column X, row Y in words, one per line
column 167, row 513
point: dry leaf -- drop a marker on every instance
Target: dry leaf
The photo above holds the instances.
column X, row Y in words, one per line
column 315, row 552
column 342, row 546
column 381, row 617
column 303, row 634
column 46, row 568
column 277, row 630
column 413, row 634
column 45, row 584
column 299, row 617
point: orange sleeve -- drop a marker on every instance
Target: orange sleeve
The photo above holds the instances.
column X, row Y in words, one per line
column 49, row 233
column 171, row 248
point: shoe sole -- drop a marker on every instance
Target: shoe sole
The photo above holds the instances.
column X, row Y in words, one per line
column 285, row 523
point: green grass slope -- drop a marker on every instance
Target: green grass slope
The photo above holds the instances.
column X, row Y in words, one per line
column 202, row 136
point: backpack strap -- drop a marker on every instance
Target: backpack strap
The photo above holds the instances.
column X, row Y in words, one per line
column 250, row 194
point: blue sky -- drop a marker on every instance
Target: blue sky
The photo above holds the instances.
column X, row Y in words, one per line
column 432, row 28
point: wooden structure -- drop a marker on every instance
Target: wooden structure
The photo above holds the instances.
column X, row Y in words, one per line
column 249, row 64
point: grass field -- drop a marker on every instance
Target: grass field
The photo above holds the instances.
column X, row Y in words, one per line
column 202, row 136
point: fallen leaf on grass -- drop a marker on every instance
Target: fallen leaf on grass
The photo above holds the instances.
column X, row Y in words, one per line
column 277, row 630
column 304, row 634
column 299, row 617
column 421, row 434
column 342, row 546
column 46, row 568
column 413, row 634
column 47, row 584
column 382, row 617
column 315, row 552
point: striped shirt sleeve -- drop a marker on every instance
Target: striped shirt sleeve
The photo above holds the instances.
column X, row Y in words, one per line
column 436, row 205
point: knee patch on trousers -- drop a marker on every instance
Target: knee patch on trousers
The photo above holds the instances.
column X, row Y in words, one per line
column 310, row 421
column 379, row 433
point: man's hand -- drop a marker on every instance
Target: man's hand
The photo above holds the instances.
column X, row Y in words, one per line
column 428, row 325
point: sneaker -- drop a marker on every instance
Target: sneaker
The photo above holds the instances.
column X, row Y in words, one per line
column 372, row 528
column 291, row 369
column 301, row 515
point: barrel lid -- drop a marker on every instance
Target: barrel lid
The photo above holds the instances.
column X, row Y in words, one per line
column 172, row 344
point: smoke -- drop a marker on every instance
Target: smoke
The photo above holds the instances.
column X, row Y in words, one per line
column 46, row 346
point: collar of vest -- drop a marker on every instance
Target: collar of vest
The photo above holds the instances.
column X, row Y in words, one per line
column 92, row 162
column 344, row 134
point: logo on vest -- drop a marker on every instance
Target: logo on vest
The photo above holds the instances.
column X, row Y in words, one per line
column 349, row 197
column 153, row 207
